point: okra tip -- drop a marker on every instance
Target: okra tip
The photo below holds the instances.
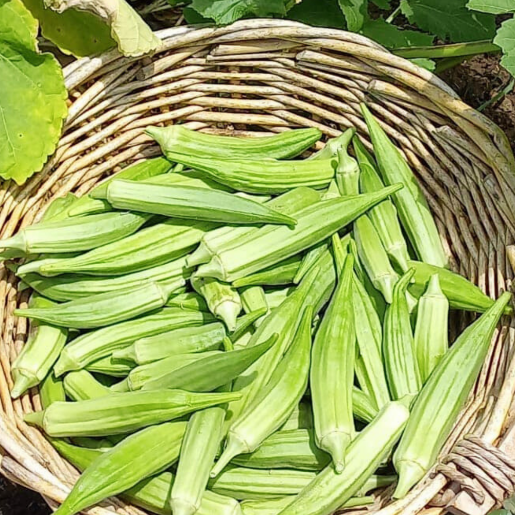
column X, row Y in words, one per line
column 128, row 353
column 410, row 473
column 199, row 256
column 14, row 242
column 336, row 444
column 65, row 364
column 212, row 269
column 228, row 312
column 23, row 380
column 36, row 418
column 182, row 507
column 234, row 447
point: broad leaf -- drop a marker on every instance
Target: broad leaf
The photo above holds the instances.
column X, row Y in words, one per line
column 319, row 13
column 407, row 10
column 492, row 6
column 423, row 62
column 382, row 4
column 32, row 96
column 451, row 19
column 355, row 12
column 506, row 40
column 75, row 32
column 224, row 12
column 133, row 36
column 392, row 36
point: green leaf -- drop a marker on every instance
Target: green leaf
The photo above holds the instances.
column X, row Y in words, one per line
column 492, row 6
column 392, row 36
column 224, row 12
column 319, row 13
column 506, row 40
column 32, row 97
column 382, row 4
column 133, row 36
column 75, row 32
column 451, row 19
column 355, row 12
column 423, row 62
column 407, row 10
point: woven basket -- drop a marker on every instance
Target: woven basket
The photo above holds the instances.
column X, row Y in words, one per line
column 252, row 78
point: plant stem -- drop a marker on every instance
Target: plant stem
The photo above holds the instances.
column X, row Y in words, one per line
column 449, row 62
column 500, row 94
column 453, row 50
column 393, row 15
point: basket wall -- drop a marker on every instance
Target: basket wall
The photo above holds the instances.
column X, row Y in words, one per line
column 262, row 76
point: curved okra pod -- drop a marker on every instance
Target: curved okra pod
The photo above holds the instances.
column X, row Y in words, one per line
column 75, row 234
column 277, row 275
column 51, row 390
column 431, row 339
column 39, row 354
column 253, row 299
column 363, row 406
column 442, row 398
column 81, row 386
column 103, row 309
column 176, row 138
column 332, row 371
column 246, row 322
column 119, row 413
column 135, row 458
column 273, row 406
column 399, row 353
column 309, row 260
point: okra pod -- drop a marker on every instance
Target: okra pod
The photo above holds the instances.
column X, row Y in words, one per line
column 309, row 259
column 399, row 353
column 75, row 234
column 38, row 355
column 119, row 413
column 188, row 300
column 431, row 340
column 81, row 386
column 92, row 346
column 51, row 390
column 277, row 275
column 347, row 170
column 103, row 309
column 191, row 203
column 330, row 150
column 179, row 341
column 332, row 371
column 177, row 138
column 300, row 418
column 314, row 224
column 253, row 299
column 276, row 297
column 442, row 398
column 411, row 204
column 110, row 366
column 363, row 406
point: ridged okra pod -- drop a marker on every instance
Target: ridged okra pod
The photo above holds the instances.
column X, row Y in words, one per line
column 332, row 371
column 363, row 407
column 51, row 390
column 272, row 245
column 347, row 169
column 39, row 354
column 75, row 234
column 384, row 215
column 398, row 349
column 294, row 449
column 179, row 341
column 431, row 329
column 277, row 275
column 330, row 150
column 110, row 366
column 176, row 138
column 411, row 204
column 272, row 407
column 309, row 259
column 261, row 176
column 191, row 203
column 275, row 298
column 329, row 490
column 442, row 398
column 245, row 323
column 222, row 299
column 92, row 346
column 253, row 298
column 103, row 309
column 119, row 413
column 207, row 373
column 81, row 386
column 135, row 458
column 300, row 418
column 188, row 300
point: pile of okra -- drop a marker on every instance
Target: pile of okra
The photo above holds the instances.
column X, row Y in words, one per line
column 234, row 329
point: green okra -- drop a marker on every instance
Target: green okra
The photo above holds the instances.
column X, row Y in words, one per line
column 38, row 355
column 332, row 371
column 414, row 213
column 330, row 150
column 188, row 300
column 81, row 386
column 135, row 458
column 277, row 275
column 75, row 234
column 90, row 347
column 51, row 390
column 431, row 329
column 384, row 215
column 110, row 366
column 120, row 413
column 289, row 203
column 103, row 309
column 151, row 246
column 441, row 399
column 244, row 339
column 185, row 340
column 363, row 406
column 191, row 203
column 253, row 299
column 276, row 297
column 324, row 283
column 261, row 176
column 59, row 208
column 273, row 405
column 208, row 373
column 347, row 170
column 329, row 490
column 73, row 286
column 300, row 418
column 294, row 449
column 221, row 299
column 144, row 170
column 314, row 224
column 153, row 493
column 179, row 139
column 400, row 360
column 246, row 322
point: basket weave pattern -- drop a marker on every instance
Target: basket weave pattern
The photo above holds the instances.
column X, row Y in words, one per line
column 249, row 79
